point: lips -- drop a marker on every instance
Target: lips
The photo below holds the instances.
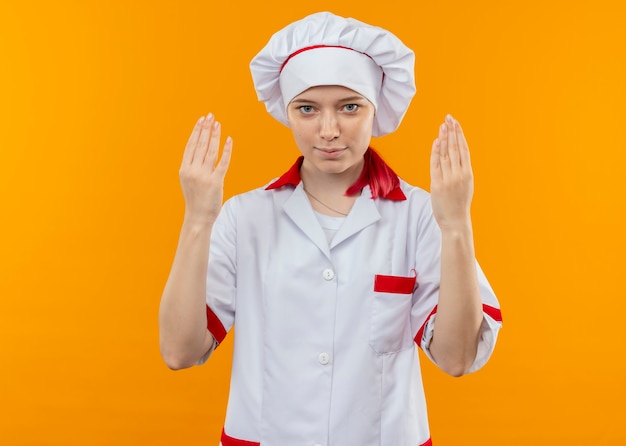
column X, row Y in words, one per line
column 330, row 152
column 331, row 149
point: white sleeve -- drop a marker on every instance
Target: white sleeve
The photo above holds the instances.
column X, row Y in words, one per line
column 208, row 354
column 488, row 336
column 221, row 276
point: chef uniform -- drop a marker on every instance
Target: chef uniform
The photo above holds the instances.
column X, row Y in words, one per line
column 329, row 311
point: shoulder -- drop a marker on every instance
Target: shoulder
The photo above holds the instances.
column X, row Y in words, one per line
column 416, row 208
column 416, row 197
column 258, row 198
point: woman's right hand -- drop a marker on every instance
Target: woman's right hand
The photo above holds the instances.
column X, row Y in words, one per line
column 202, row 180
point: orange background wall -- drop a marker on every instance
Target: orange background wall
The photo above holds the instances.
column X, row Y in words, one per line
column 97, row 101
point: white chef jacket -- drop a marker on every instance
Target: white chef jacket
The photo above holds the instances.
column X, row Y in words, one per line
column 325, row 346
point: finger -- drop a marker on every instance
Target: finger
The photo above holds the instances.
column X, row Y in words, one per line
column 224, row 162
column 214, row 145
column 453, row 147
column 463, row 147
column 203, row 141
column 191, row 142
column 444, row 156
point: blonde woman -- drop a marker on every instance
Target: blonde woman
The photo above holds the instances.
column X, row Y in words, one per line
column 337, row 270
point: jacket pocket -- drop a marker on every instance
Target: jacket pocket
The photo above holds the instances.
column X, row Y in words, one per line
column 390, row 328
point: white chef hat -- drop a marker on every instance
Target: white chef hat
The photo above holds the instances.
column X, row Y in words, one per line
column 325, row 49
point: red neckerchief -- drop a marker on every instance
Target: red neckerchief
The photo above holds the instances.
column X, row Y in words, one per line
column 292, row 178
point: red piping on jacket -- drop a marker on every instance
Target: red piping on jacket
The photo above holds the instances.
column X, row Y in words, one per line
column 230, row 441
column 214, row 325
column 493, row 312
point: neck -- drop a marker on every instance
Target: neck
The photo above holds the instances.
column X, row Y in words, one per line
column 327, row 191
column 332, row 184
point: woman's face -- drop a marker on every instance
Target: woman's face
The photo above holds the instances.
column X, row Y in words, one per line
column 332, row 127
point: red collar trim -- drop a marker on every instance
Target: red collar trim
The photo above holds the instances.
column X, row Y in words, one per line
column 292, row 178
column 396, row 194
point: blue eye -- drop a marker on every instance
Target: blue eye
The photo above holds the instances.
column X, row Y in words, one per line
column 306, row 109
column 350, row 107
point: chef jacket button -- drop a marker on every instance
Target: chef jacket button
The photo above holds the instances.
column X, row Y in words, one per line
column 328, row 274
column 324, row 358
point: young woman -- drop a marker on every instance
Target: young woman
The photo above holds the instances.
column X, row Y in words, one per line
column 336, row 271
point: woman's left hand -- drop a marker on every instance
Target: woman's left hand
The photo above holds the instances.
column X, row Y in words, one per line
column 452, row 181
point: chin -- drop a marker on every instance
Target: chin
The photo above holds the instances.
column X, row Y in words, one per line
column 336, row 166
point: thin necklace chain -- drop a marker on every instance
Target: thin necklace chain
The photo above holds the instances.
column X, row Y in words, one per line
column 323, row 204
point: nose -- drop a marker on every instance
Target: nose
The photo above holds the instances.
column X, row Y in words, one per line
column 329, row 127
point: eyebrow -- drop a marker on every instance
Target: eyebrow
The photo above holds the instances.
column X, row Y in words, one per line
column 347, row 99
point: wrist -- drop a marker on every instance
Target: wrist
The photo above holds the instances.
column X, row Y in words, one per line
column 197, row 225
column 458, row 229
